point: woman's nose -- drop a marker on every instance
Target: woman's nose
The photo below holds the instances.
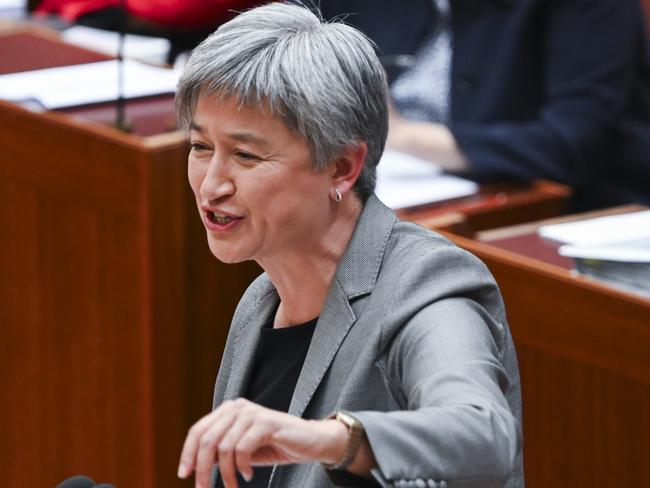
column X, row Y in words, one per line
column 218, row 182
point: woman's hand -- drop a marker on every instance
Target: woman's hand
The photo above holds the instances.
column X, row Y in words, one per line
column 240, row 434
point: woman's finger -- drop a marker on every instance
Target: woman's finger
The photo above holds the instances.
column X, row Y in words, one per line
column 249, row 442
column 208, row 443
column 190, row 446
column 226, row 448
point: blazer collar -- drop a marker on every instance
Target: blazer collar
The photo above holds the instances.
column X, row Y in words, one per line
column 355, row 276
column 247, row 337
column 358, row 269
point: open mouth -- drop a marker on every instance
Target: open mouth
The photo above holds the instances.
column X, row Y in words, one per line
column 219, row 219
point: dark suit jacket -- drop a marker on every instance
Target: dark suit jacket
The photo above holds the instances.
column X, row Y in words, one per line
column 554, row 89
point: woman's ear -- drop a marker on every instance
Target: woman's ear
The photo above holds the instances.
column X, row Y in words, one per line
column 348, row 166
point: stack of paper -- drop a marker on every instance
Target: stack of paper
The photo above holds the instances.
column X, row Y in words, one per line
column 83, row 84
column 615, row 249
column 406, row 181
column 148, row 49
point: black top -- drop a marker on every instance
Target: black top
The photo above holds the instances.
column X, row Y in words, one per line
column 278, row 361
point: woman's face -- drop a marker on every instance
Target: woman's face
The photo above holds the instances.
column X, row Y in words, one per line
column 255, row 188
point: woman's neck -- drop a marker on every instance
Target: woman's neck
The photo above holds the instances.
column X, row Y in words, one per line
column 304, row 276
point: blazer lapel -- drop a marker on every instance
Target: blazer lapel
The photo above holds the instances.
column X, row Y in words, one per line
column 332, row 327
column 246, row 341
column 355, row 276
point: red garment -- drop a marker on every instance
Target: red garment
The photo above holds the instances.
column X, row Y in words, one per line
column 72, row 9
column 173, row 13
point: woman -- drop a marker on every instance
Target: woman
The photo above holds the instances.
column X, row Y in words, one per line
column 391, row 327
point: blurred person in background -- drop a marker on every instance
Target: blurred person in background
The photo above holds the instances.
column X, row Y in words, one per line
column 519, row 89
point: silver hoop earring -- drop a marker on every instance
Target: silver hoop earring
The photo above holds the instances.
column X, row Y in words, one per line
column 337, row 195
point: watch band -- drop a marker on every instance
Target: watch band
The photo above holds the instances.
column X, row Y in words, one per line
column 355, row 435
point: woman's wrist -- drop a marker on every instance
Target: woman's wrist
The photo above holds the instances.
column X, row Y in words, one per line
column 335, row 436
column 333, row 449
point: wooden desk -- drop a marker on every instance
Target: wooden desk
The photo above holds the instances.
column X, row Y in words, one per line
column 584, row 358
column 495, row 205
column 113, row 312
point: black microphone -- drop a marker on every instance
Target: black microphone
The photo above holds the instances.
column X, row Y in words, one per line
column 77, row 482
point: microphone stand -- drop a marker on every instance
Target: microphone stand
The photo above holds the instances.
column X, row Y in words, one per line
column 120, row 103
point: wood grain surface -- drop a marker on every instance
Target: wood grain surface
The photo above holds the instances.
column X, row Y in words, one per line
column 113, row 312
column 583, row 350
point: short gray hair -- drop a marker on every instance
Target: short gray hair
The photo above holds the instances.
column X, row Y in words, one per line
column 323, row 79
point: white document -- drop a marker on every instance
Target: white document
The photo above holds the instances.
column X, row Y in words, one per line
column 406, row 181
column 83, row 84
column 626, row 252
column 13, row 4
column 13, row 10
column 149, row 49
column 601, row 230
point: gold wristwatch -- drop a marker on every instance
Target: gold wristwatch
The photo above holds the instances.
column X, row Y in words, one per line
column 355, row 435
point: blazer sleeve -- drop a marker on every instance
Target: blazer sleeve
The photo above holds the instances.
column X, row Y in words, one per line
column 589, row 68
column 458, row 425
column 449, row 366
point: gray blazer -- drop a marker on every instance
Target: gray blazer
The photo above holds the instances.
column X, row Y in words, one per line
column 413, row 341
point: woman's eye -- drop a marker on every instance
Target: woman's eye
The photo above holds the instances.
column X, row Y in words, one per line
column 197, row 146
column 246, row 155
